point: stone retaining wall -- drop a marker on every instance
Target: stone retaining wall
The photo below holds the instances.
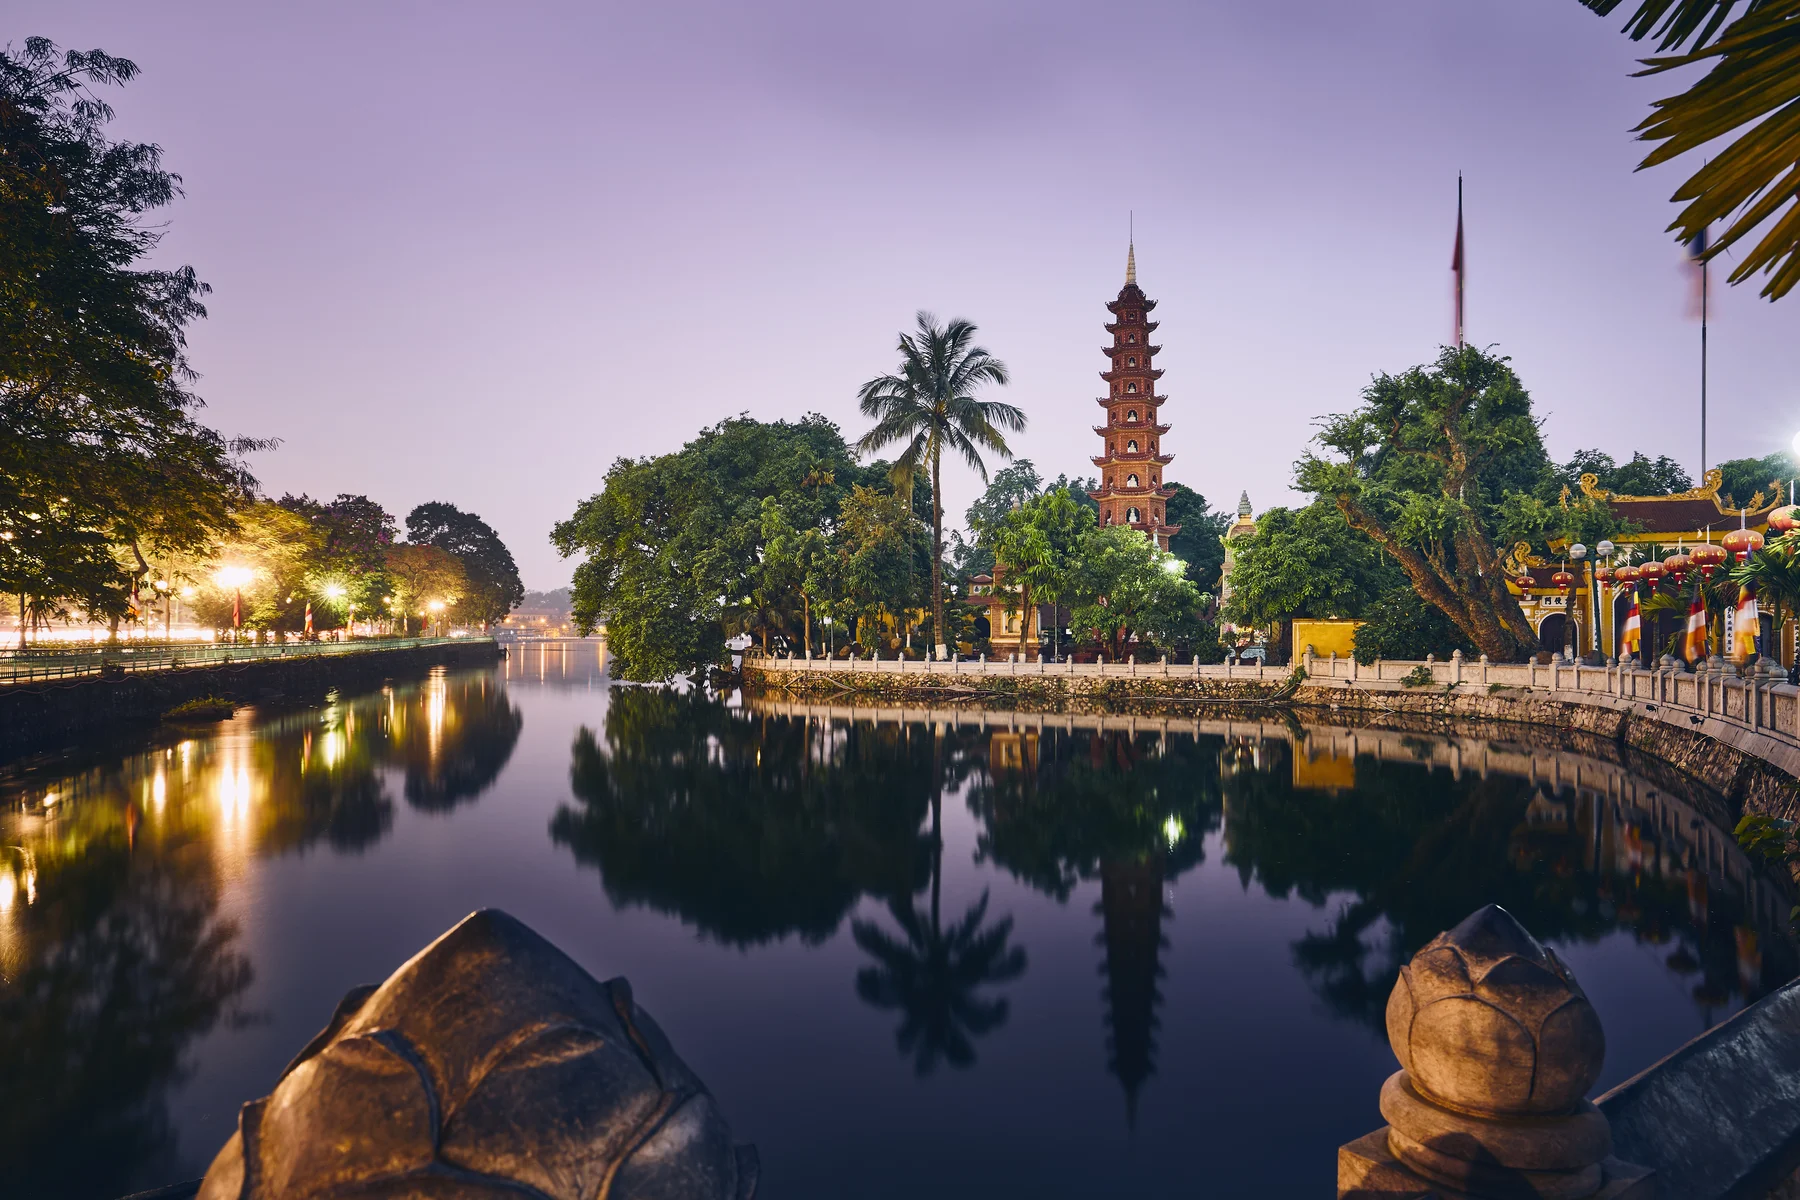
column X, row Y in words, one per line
column 37, row 716
column 1733, row 735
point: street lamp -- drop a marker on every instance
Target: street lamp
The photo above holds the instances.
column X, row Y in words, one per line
column 1603, row 553
column 337, row 591
column 234, row 579
column 437, row 609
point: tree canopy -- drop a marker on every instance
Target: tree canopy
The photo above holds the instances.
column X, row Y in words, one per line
column 492, row 587
column 670, row 543
column 1424, row 468
column 99, row 445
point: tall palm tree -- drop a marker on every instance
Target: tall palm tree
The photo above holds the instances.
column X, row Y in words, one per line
column 930, row 405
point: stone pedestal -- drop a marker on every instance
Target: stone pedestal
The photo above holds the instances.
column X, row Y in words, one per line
column 1498, row 1047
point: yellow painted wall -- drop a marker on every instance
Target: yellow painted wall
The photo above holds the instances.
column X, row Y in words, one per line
column 1325, row 637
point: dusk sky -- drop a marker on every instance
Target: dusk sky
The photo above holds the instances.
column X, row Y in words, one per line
column 475, row 253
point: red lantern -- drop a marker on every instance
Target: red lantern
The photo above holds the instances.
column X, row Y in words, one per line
column 1626, row 575
column 1524, row 580
column 1563, row 580
column 1784, row 518
column 1652, row 572
column 1677, row 565
column 1743, row 543
column 1708, row 558
column 1603, row 573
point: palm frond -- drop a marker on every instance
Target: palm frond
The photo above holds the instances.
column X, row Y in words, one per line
column 1753, row 91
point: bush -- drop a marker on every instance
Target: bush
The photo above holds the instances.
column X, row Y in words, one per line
column 1419, row 676
column 203, row 708
column 1401, row 625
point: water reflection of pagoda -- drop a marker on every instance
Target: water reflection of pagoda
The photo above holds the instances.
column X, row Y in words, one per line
column 1131, row 911
column 1131, row 810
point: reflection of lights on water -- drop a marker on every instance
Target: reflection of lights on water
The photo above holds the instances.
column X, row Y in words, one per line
column 9, row 890
column 1173, row 831
column 331, row 748
column 234, row 793
column 435, row 695
column 50, row 799
column 159, row 791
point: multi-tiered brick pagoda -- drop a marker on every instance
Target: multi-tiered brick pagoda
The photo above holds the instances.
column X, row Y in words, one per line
column 1131, row 470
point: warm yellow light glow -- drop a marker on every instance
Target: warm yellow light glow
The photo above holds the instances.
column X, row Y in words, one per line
column 436, row 606
column 159, row 791
column 187, row 593
column 336, row 591
column 8, row 889
column 233, row 577
column 1174, row 831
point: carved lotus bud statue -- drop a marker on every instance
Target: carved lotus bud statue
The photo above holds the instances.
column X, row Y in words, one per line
column 1498, row 1047
column 1486, row 1019
column 489, row 1065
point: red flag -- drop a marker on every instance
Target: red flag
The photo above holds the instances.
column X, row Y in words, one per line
column 309, row 618
column 1456, row 264
column 237, row 609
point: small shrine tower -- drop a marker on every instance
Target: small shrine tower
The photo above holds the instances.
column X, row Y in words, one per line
column 1131, row 488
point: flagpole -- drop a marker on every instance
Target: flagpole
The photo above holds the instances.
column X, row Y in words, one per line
column 1703, row 275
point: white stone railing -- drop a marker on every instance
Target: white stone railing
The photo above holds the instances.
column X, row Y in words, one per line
column 1721, row 703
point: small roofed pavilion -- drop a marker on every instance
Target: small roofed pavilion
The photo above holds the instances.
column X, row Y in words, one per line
column 1654, row 526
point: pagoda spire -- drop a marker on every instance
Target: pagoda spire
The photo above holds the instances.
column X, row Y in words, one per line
column 1130, row 263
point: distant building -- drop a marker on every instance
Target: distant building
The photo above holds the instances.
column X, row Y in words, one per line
column 1131, row 465
column 541, row 614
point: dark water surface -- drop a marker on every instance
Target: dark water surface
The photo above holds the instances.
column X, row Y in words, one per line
column 1148, row 963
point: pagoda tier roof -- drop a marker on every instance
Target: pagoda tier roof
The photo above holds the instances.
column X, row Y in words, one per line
column 1165, row 491
column 1147, row 351
column 1129, row 457
column 1139, row 398
column 1147, row 326
column 1132, row 373
column 1103, row 430
column 1131, row 293
column 1686, row 514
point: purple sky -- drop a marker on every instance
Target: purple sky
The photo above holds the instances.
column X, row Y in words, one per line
column 475, row 252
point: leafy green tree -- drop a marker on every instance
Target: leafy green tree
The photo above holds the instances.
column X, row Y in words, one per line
column 1742, row 479
column 1201, row 542
column 1305, row 563
column 875, row 538
column 1750, row 90
column 930, row 406
column 1040, row 544
column 795, row 562
column 1641, row 476
column 355, row 535
column 422, row 576
column 493, row 588
column 1396, row 625
column 671, row 542
column 98, row 441
column 1127, row 589
column 1011, row 486
column 1423, row 468
column 276, row 547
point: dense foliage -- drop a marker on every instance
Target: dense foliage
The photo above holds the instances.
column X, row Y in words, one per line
column 492, row 587
column 103, row 465
column 1396, row 626
column 673, row 546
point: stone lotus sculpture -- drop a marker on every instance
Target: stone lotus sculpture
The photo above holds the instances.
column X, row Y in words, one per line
column 1498, row 1047
column 489, row 1065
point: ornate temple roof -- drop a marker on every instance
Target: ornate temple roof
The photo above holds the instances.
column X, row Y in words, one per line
column 1685, row 514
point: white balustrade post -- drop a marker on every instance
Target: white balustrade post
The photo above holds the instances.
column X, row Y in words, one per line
column 1456, row 665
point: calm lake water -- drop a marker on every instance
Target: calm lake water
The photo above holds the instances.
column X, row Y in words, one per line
column 1144, row 962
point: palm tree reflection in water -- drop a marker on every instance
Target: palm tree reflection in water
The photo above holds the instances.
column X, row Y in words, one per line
column 933, row 976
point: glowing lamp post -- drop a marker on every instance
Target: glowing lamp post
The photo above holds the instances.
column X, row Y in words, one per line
column 436, row 608
column 335, row 592
column 1563, row 581
column 233, row 579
